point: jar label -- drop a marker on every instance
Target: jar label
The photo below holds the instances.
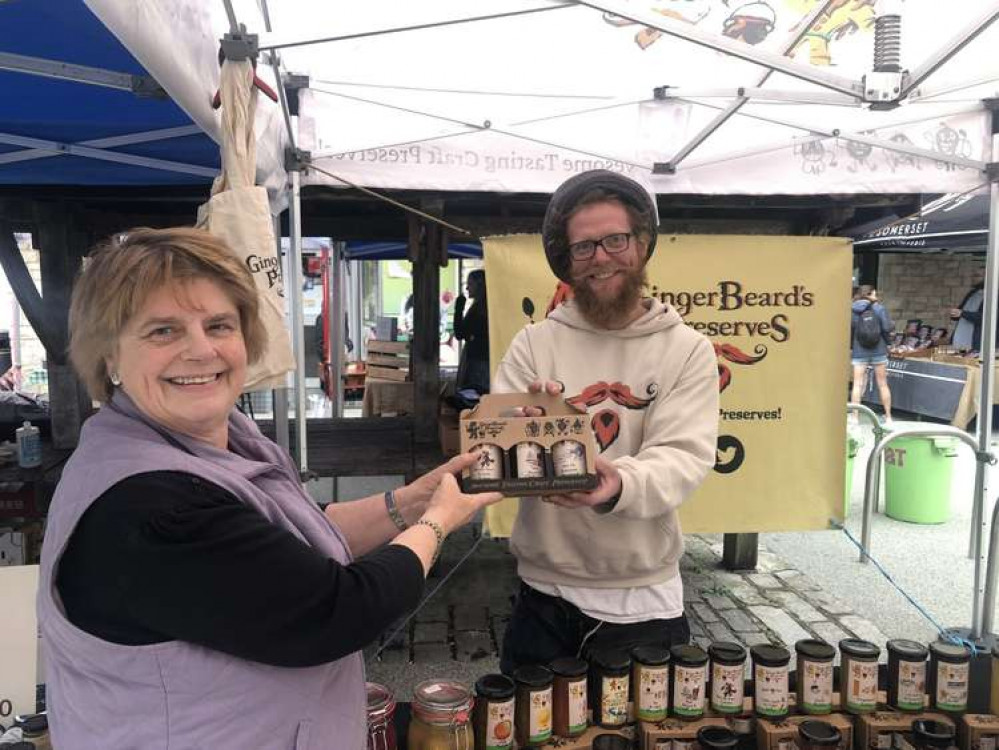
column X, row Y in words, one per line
column 688, row 690
column 569, row 458
column 489, row 464
column 499, row 725
column 771, row 690
column 727, row 687
column 952, row 686
column 530, row 460
column 614, row 700
column 817, row 687
column 539, row 723
column 577, row 706
column 653, row 685
column 862, row 685
column 911, row 684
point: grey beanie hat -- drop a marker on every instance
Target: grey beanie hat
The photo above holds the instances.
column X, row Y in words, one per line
column 565, row 199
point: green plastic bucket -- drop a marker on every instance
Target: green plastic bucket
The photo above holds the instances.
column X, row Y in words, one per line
column 917, row 478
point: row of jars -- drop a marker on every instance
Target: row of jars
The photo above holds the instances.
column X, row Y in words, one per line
column 684, row 681
column 529, row 460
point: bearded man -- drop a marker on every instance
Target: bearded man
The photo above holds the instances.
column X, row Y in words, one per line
column 600, row 569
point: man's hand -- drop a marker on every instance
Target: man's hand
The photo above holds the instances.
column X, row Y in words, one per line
column 955, row 313
column 608, row 488
column 550, row 387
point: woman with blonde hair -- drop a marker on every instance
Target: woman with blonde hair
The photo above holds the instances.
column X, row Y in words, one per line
column 192, row 594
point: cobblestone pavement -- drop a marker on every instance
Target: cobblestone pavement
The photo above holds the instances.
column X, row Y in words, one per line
column 458, row 631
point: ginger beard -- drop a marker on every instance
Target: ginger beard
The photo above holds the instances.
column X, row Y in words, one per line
column 611, row 311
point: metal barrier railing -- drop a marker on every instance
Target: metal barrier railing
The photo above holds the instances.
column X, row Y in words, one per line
column 991, row 569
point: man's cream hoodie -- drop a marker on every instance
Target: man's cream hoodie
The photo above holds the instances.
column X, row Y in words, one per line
column 651, row 390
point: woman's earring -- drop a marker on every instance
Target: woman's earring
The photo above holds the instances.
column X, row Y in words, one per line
column 115, row 379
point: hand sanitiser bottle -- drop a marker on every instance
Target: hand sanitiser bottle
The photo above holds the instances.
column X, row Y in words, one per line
column 29, row 446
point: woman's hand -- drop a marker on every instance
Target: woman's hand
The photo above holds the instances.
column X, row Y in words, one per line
column 414, row 497
column 452, row 508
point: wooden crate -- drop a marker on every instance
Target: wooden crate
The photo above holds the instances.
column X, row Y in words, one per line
column 388, row 360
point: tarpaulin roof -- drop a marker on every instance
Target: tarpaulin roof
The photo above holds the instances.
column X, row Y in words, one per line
column 952, row 222
column 57, row 129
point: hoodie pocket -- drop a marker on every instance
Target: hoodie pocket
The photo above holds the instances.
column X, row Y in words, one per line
column 302, row 736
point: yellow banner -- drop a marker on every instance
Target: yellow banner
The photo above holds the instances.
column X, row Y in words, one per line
column 777, row 311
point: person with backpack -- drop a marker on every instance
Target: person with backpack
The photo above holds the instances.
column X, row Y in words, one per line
column 871, row 329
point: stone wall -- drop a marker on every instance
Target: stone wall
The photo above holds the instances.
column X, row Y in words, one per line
column 912, row 285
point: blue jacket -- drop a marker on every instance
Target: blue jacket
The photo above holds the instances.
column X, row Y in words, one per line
column 887, row 327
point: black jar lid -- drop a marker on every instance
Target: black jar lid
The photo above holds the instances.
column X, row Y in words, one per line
column 726, row 652
column 533, row 676
column 813, row 648
column 930, row 733
column 652, row 656
column 717, row 737
column 908, row 650
column 495, row 686
column 859, row 649
column 769, row 655
column 611, row 660
column 610, row 742
column 819, row 733
column 951, row 652
column 688, row 656
column 568, row 666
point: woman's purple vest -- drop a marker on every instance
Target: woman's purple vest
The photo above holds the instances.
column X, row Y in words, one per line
column 176, row 695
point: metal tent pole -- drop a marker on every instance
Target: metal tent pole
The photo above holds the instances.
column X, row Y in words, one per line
column 279, row 396
column 294, row 291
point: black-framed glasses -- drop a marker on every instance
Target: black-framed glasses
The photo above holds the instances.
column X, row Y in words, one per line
column 612, row 245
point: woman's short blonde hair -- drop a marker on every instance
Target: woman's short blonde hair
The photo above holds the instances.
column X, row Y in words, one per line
column 119, row 276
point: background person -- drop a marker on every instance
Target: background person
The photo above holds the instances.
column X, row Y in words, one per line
column 472, row 328
column 864, row 357
column 191, row 592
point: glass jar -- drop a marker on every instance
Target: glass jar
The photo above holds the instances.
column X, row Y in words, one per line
column 770, row 681
column 442, row 717
column 815, row 676
column 906, row 675
column 569, row 697
column 950, row 672
column 932, row 735
column 569, row 458
column 728, row 677
column 688, row 678
column 815, row 735
column 492, row 715
column 859, row 675
column 650, row 682
column 528, row 460
column 489, row 464
column 717, row 738
column 533, row 710
column 381, row 717
column 610, row 742
column 609, row 687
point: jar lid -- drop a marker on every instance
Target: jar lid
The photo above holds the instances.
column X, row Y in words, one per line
column 821, row 733
column 909, row 650
column 610, row 742
column 496, row 686
column 859, row 649
column 611, row 660
column 533, row 676
column 688, row 656
column 930, row 733
column 442, row 702
column 950, row 651
column 568, row 666
column 769, row 655
column 717, row 737
column 653, row 656
column 727, row 652
column 381, row 702
column 813, row 648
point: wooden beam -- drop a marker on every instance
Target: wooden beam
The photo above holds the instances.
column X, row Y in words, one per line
column 426, row 325
column 62, row 242
column 25, row 291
